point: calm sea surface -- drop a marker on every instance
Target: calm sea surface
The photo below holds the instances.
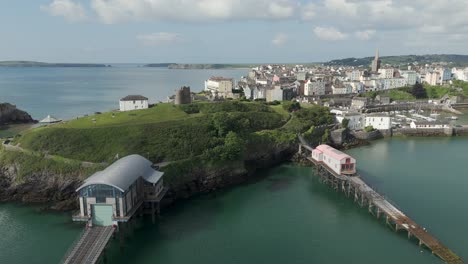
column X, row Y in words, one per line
column 70, row 92
column 286, row 216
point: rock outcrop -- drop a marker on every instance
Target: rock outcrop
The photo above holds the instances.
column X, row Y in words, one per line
column 57, row 192
column 9, row 114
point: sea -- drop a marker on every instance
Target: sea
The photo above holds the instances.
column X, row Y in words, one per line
column 282, row 215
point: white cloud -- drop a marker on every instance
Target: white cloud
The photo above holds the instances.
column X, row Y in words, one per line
column 113, row 11
column 280, row 39
column 365, row 34
column 329, row 34
column 342, row 7
column 68, row 9
column 159, row 38
column 308, row 12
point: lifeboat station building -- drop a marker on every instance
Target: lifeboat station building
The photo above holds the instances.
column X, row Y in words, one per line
column 339, row 162
column 115, row 194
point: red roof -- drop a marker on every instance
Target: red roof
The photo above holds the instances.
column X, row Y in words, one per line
column 336, row 154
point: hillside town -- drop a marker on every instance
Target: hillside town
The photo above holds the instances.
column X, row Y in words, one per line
column 342, row 88
column 280, row 82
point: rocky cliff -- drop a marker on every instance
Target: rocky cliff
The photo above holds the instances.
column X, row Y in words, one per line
column 10, row 114
column 57, row 190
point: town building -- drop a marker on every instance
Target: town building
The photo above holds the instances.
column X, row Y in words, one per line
column 356, row 120
column 358, row 103
column 339, row 162
column 383, row 99
column 433, row 78
column 460, row 74
column 220, row 86
column 386, row 73
column 379, row 121
column 274, row 93
column 340, row 88
column 314, row 87
column 410, row 76
column 116, row 193
column 133, row 102
column 429, row 125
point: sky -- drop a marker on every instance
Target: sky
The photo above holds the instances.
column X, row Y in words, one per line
column 228, row 31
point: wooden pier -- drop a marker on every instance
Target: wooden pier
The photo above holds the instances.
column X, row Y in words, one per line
column 354, row 187
column 90, row 247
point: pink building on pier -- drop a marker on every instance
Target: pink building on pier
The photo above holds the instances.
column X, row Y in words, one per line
column 337, row 161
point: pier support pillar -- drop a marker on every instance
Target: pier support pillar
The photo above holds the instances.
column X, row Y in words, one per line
column 378, row 213
column 409, row 234
column 153, row 217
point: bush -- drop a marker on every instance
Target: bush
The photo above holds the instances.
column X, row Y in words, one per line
column 369, row 129
column 291, row 106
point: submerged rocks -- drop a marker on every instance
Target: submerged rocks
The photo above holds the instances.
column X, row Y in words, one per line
column 10, row 114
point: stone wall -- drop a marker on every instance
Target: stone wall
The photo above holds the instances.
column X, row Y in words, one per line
column 460, row 131
column 426, row 132
column 363, row 135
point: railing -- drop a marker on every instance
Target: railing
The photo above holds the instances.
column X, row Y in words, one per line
column 73, row 245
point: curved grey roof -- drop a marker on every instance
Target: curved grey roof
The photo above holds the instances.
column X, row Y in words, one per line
column 124, row 172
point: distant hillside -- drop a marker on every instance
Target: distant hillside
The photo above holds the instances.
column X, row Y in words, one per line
column 453, row 60
column 199, row 66
column 44, row 64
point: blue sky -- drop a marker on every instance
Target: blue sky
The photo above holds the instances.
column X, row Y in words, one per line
column 227, row 31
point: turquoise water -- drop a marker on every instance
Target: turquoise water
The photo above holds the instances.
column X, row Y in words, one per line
column 70, row 92
column 285, row 216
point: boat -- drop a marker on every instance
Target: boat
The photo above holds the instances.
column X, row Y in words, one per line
column 454, row 117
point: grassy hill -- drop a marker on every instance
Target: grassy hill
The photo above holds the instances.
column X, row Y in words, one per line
column 164, row 132
column 453, row 60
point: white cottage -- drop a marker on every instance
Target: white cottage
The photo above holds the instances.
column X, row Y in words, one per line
column 133, row 102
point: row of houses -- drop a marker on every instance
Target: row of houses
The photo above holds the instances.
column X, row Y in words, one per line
column 358, row 121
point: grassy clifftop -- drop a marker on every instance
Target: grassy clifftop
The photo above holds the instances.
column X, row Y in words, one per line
column 164, row 132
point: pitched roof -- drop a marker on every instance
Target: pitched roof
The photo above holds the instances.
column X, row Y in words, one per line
column 124, row 172
column 50, row 119
column 333, row 152
column 133, row 98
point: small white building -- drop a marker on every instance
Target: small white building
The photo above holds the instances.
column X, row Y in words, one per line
column 379, row 121
column 133, row 102
column 429, row 125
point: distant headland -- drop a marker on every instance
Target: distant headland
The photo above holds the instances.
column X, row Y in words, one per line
column 181, row 66
column 45, row 64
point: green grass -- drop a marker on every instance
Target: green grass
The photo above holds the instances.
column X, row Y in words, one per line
column 400, row 95
column 148, row 135
column 280, row 110
column 159, row 113
column 29, row 164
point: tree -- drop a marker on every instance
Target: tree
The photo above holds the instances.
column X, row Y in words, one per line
column 418, row 91
column 345, row 123
column 326, row 136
